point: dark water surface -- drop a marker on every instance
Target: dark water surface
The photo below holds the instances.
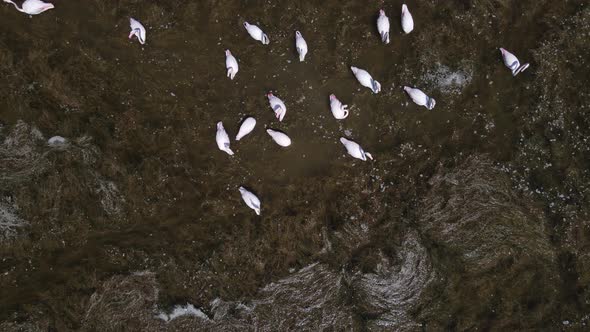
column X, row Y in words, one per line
column 474, row 216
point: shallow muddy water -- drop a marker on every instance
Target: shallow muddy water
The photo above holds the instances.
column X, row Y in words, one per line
column 473, row 216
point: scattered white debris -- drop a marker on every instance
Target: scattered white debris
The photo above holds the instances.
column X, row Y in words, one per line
column 447, row 80
column 10, row 223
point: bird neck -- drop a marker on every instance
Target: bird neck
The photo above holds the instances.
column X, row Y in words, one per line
column 15, row 6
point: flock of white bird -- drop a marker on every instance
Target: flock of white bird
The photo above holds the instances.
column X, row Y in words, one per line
column 339, row 111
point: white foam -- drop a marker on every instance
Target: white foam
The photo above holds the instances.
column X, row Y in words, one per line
column 9, row 221
column 179, row 311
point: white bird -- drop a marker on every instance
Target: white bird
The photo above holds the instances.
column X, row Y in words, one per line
column 383, row 26
column 407, row 20
column 256, row 33
column 301, row 46
column 279, row 137
column 338, row 110
column 231, row 64
column 251, row 200
column 57, row 140
column 366, row 80
column 137, row 29
column 32, row 7
column 222, row 139
column 355, row 150
column 277, row 106
column 511, row 61
column 420, row 98
column 247, row 126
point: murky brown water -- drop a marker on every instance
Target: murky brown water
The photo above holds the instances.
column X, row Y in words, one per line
column 473, row 215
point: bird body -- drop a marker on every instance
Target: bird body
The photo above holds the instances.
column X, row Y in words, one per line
column 420, row 98
column 57, row 140
column 338, row 110
column 279, row 137
column 277, row 106
column 301, row 46
column 231, row 64
column 511, row 61
column 365, row 79
column 32, row 7
column 247, row 126
column 407, row 20
column 222, row 139
column 250, row 199
column 355, row 150
column 383, row 26
column 256, row 33
column 137, row 30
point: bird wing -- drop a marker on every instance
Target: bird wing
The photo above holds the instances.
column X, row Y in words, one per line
column 254, row 203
